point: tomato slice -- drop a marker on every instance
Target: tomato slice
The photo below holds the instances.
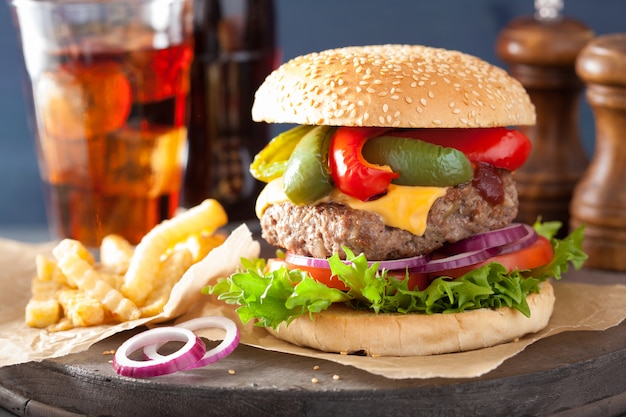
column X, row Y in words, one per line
column 417, row 280
column 499, row 146
column 323, row 275
column 538, row 254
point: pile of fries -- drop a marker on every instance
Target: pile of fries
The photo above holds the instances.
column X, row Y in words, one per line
column 73, row 290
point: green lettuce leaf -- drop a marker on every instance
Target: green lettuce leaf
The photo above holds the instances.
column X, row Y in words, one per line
column 282, row 295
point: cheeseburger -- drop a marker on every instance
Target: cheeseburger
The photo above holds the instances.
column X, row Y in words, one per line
column 393, row 203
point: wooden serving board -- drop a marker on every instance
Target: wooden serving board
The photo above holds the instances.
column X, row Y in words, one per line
column 571, row 374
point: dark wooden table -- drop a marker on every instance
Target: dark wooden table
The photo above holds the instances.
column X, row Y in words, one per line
column 570, row 374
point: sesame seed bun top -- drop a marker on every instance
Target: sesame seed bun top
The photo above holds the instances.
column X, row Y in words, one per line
column 392, row 86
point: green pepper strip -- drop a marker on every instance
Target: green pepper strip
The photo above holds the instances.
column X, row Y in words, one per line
column 418, row 162
column 307, row 176
column 271, row 162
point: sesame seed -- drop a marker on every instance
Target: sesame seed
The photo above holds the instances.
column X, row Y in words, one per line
column 431, row 94
column 385, row 108
column 423, row 101
column 395, row 97
column 408, row 99
column 437, row 121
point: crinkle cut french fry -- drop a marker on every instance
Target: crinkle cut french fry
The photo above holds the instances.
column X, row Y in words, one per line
column 87, row 279
column 42, row 313
column 63, row 324
column 145, row 264
column 43, row 308
column 114, row 280
column 200, row 244
column 48, row 270
column 43, row 290
column 115, row 253
column 174, row 266
column 81, row 308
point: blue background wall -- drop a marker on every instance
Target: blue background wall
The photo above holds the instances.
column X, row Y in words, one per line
column 303, row 26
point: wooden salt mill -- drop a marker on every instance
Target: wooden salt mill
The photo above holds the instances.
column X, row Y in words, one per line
column 541, row 52
column 599, row 200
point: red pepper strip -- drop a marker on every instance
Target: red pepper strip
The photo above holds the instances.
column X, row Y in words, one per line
column 352, row 174
column 498, row 146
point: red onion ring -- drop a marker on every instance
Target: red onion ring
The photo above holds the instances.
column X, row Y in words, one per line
column 475, row 249
column 473, row 257
column 225, row 348
column 522, row 243
column 493, row 238
column 191, row 352
column 391, row 265
column 458, row 261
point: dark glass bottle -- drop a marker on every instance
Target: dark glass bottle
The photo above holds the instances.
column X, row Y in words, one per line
column 235, row 49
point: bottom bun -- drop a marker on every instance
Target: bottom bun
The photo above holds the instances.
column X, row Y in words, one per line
column 343, row 330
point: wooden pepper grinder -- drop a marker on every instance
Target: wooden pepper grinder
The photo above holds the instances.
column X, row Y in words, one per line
column 599, row 200
column 541, row 51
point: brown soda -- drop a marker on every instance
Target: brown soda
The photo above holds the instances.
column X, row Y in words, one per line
column 112, row 136
column 234, row 51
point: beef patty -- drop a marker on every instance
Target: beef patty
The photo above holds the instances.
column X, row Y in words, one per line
column 322, row 229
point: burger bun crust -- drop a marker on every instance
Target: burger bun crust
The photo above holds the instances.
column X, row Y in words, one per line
column 343, row 330
column 409, row 86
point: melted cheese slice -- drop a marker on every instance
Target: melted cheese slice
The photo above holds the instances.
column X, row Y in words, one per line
column 404, row 207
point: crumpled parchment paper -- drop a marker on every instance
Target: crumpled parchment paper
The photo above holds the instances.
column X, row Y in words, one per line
column 578, row 307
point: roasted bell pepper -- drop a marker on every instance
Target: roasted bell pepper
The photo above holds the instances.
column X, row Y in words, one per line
column 307, row 177
column 419, row 163
column 499, row 146
column 271, row 162
column 352, row 173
